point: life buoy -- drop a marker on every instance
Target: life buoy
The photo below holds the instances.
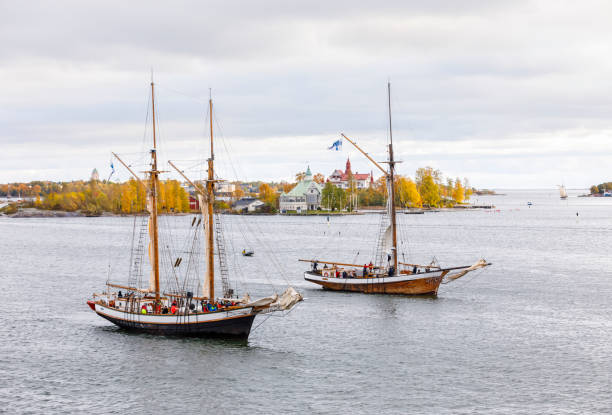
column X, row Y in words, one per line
column 325, row 274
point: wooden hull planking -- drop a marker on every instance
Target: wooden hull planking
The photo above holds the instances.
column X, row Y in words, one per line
column 220, row 325
column 388, row 285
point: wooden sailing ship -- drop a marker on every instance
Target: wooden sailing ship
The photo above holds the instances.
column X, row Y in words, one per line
column 386, row 275
column 174, row 309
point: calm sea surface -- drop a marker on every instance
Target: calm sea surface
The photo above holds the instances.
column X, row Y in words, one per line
column 531, row 334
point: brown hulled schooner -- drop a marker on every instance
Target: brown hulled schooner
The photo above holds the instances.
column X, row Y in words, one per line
column 185, row 305
column 386, row 274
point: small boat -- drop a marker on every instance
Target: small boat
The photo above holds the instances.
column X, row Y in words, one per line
column 529, row 204
column 248, row 253
column 179, row 297
column 387, row 275
column 562, row 192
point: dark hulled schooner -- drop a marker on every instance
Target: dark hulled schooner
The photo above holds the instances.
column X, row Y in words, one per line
column 176, row 307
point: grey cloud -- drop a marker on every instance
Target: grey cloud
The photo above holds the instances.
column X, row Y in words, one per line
column 76, row 74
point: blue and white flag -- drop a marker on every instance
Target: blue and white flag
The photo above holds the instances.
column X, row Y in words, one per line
column 112, row 170
column 337, row 145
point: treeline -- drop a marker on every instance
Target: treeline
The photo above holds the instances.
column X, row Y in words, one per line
column 428, row 189
column 95, row 197
column 601, row 188
column 31, row 189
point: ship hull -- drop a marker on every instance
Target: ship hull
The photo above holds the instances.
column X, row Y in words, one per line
column 402, row 284
column 234, row 324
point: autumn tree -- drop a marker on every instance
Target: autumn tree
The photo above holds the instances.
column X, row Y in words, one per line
column 458, row 191
column 429, row 190
column 319, row 178
column 286, row 187
column 407, row 193
column 238, row 193
column 267, row 194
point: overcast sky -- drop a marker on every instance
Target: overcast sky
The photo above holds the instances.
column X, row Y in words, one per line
column 511, row 94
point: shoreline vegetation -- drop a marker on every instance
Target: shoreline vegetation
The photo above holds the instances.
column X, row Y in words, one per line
column 429, row 190
column 599, row 190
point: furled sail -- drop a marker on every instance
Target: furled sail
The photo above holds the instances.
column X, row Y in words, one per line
column 263, row 302
column 275, row 303
column 481, row 263
column 387, row 242
column 288, row 299
column 204, row 210
column 150, row 247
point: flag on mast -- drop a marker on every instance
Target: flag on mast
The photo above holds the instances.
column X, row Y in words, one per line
column 112, row 169
column 337, row 145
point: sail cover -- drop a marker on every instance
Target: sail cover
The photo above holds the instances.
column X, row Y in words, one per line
column 387, row 240
column 266, row 301
column 481, row 263
column 150, row 247
column 204, row 210
column 289, row 298
column 285, row 302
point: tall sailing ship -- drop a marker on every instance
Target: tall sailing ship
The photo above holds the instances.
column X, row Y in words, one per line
column 562, row 192
column 186, row 304
column 385, row 274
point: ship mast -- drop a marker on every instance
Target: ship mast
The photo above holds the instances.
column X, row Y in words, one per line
column 390, row 176
column 391, row 180
column 154, row 178
column 210, row 190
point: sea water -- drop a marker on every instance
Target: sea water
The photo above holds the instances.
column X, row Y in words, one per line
column 530, row 334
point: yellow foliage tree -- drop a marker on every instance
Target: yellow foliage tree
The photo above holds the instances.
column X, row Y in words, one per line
column 267, row 194
column 458, row 191
column 319, row 178
column 429, row 191
column 407, row 192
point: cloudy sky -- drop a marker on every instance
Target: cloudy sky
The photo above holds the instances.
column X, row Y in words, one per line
column 511, row 94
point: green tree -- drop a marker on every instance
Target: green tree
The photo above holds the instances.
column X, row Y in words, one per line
column 333, row 197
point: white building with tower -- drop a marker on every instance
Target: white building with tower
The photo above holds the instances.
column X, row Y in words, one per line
column 306, row 195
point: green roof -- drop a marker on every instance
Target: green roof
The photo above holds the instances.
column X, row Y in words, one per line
column 302, row 186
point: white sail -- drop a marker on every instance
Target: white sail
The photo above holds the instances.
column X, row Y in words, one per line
column 562, row 192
